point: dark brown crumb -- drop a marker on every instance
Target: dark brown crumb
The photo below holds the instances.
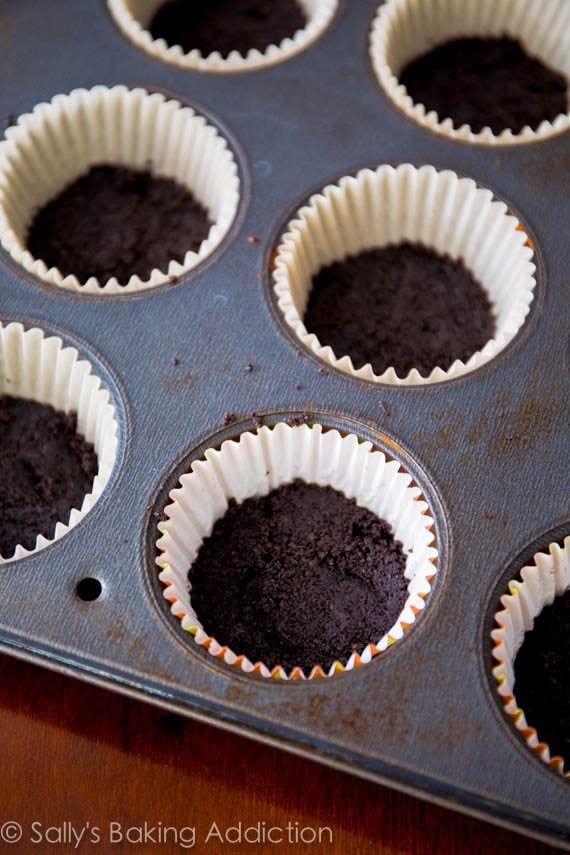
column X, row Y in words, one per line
column 160, row 516
column 248, row 367
column 130, row 222
column 322, row 370
column 298, row 386
column 253, row 239
column 257, row 420
column 175, row 360
column 358, row 414
column 9, row 120
column 150, row 506
column 229, row 417
column 486, row 82
column 303, row 419
column 46, row 469
column 300, row 577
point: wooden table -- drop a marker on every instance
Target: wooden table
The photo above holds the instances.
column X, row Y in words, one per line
column 72, row 752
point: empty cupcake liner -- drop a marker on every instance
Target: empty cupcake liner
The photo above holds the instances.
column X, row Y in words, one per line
column 39, row 367
column 134, row 16
column 390, row 205
column 405, row 29
column 52, row 146
column 540, row 582
column 262, row 460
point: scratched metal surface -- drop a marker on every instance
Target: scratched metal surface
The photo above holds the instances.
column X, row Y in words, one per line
column 490, row 450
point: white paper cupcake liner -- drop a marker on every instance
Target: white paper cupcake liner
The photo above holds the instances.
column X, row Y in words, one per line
column 390, row 205
column 405, row 29
column 263, row 460
column 540, row 582
column 38, row 367
column 134, row 16
column 51, row 147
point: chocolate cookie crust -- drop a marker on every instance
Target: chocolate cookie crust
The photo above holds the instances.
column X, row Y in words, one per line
column 227, row 25
column 46, row 469
column 300, row 577
column 486, row 82
column 403, row 306
column 116, row 221
column 542, row 676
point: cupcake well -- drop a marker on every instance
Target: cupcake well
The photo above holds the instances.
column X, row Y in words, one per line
column 440, row 210
column 261, row 461
column 539, row 583
column 39, row 367
column 405, row 29
column 134, row 16
column 56, row 143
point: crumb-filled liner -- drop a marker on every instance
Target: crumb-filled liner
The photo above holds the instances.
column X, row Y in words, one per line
column 539, row 583
column 403, row 30
column 134, row 17
column 263, row 460
column 38, row 367
column 389, row 205
column 58, row 142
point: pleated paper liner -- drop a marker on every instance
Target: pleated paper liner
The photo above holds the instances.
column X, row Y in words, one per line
column 54, row 145
column 539, row 583
column 263, row 460
column 440, row 210
column 39, row 367
column 405, row 29
column 134, row 17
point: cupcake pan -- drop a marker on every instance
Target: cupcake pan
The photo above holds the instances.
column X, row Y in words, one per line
column 488, row 450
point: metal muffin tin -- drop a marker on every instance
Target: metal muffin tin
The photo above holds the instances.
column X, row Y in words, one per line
column 489, row 450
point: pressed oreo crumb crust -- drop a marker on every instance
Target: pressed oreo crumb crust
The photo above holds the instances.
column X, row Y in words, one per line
column 542, row 677
column 46, row 470
column 402, row 306
column 486, row 82
column 116, row 221
column 300, row 577
column 227, row 25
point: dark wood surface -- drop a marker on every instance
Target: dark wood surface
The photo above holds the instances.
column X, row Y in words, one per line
column 72, row 752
